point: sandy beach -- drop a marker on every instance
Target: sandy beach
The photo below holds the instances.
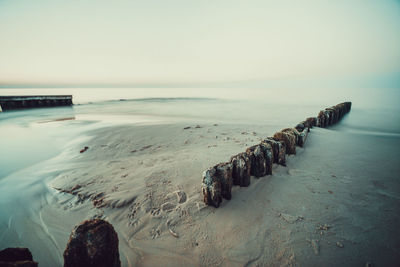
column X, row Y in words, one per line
column 335, row 203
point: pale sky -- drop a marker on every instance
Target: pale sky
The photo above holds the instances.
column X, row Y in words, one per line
column 187, row 41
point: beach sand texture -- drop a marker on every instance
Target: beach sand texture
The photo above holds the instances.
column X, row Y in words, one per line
column 337, row 203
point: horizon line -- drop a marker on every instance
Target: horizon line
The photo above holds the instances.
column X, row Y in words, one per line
column 391, row 80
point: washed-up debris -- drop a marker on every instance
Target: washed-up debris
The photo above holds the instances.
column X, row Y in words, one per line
column 173, row 233
column 315, row 246
column 145, row 147
column 290, row 218
column 324, row 227
column 84, row 149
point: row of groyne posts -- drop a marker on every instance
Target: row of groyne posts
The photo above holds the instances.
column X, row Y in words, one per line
column 257, row 160
column 38, row 101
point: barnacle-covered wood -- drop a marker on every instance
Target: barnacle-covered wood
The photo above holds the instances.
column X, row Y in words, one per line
column 224, row 173
column 268, row 157
column 211, row 187
column 289, row 139
column 278, row 149
column 92, row 243
column 258, row 166
column 311, row 122
column 332, row 115
column 217, row 184
column 241, row 169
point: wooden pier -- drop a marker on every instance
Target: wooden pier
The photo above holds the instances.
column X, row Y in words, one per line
column 38, row 101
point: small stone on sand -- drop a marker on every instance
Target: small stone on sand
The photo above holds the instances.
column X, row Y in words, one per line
column 340, row 245
column 315, row 246
column 324, row 227
column 290, row 218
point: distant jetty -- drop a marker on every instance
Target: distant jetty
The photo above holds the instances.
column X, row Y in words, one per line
column 38, row 101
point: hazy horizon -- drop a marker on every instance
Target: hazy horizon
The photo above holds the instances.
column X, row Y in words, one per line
column 205, row 44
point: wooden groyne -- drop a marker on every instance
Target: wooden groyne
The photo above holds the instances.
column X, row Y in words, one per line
column 92, row 243
column 38, row 101
column 257, row 160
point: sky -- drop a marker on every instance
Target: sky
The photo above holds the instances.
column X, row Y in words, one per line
column 199, row 42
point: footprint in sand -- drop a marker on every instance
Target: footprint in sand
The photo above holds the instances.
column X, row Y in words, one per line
column 168, row 206
column 149, row 162
column 155, row 212
column 145, row 147
column 181, row 196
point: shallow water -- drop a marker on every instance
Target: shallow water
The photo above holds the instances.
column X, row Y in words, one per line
column 36, row 144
